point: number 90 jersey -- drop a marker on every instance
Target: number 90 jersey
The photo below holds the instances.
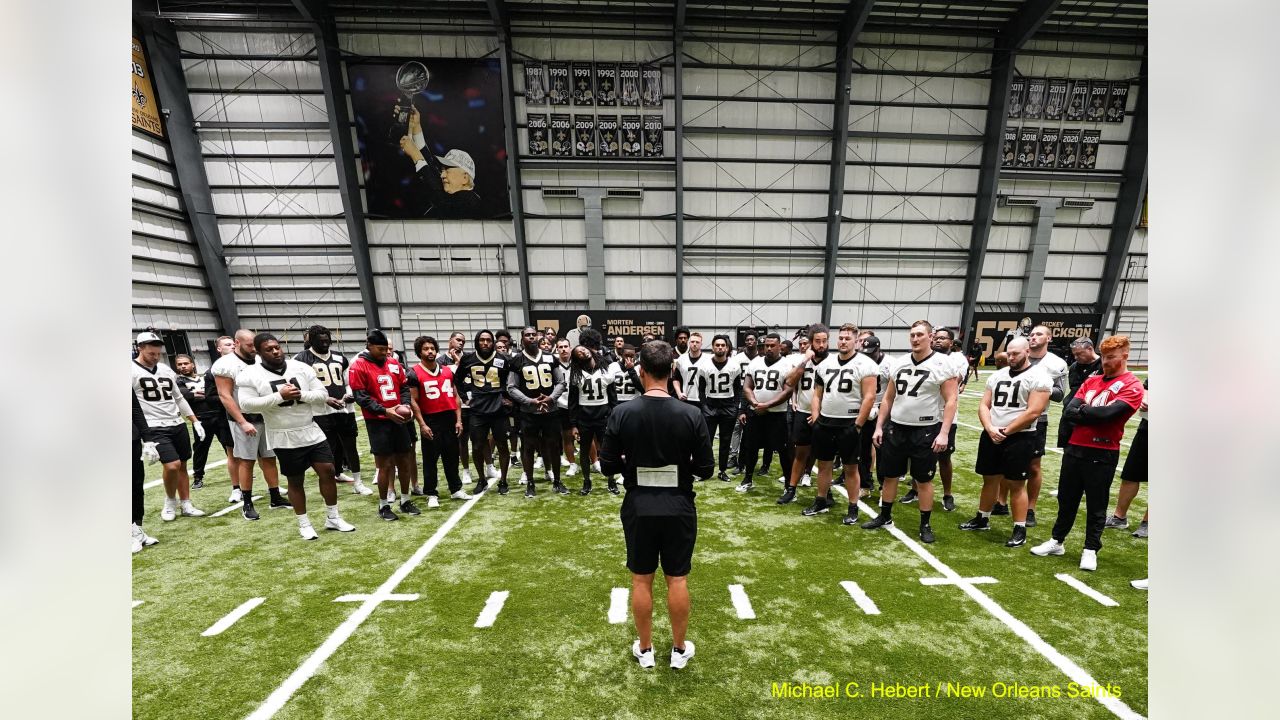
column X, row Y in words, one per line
column 1011, row 390
column 768, row 378
column 331, row 371
column 918, row 388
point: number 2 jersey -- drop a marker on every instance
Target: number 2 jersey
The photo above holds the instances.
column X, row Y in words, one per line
column 375, row 385
column 158, row 394
column 1011, row 391
column 331, row 371
column 918, row 388
column 288, row 422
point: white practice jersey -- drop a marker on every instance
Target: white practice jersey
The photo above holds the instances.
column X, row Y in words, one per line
column 229, row 366
column 158, row 394
column 721, row 380
column 289, row 422
column 1056, row 369
column 960, row 364
column 623, row 387
column 742, row 359
column 593, row 387
column 562, row 402
column 841, row 382
column 1011, row 391
column 802, row 398
column 768, row 380
column 918, row 388
column 690, row 370
column 886, row 366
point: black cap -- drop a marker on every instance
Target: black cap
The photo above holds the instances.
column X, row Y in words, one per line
column 870, row 344
column 377, row 337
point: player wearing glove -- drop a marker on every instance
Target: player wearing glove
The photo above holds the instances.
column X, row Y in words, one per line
column 155, row 386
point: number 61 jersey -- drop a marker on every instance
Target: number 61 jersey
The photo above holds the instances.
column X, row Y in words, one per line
column 1011, row 390
column 918, row 388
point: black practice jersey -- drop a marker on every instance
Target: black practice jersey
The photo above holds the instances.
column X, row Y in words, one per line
column 482, row 381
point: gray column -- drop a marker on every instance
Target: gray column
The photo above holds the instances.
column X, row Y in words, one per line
column 1128, row 209
column 1033, row 281
column 593, row 215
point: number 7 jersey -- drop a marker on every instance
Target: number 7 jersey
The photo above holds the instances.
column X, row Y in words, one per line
column 918, row 388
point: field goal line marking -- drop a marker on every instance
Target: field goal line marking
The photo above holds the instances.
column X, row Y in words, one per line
column 230, row 618
column 1086, row 590
column 385, row 591
column 1068, row 666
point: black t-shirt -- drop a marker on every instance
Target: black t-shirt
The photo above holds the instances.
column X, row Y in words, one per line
column 1077, row 373
column 657, row 432
column 482, row 382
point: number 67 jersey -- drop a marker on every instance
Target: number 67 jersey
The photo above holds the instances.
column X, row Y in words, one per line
column 918, row 388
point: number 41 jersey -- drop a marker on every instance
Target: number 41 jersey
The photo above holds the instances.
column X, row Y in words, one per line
column 918, row 388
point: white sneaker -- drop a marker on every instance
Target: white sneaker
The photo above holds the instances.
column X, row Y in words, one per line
column 307, row 532
column 433, row 501
column 813, row 470
column 170, row 510
column 524, row 479
column 679, row 660
column 461, row 495
column 337, row 523
column 646, row 658
column 1049, row 547
column 136, row 537
column 595, row 467
column 344, row 478
column 1053, row 492
column 147, row 540
column 571, row 469
column 359, row 488
column 391, row 495
column 236, row 496
column 1089, row 560
column 805, row 480
column 191, row 510
column 537, row 463
column 466, row 477
column 1135, row 584
column 564, row 462
column 491, row 472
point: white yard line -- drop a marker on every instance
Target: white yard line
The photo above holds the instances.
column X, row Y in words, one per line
column 395, row 597
column 492, row 607
column 231, row 617
column 741, row 603
column 1086, row 590
column 1019, row 628
column 618, row 605
column 235, row 506
column 294, row 682
column 136, row 603
column 859, row 596
column 982, row 580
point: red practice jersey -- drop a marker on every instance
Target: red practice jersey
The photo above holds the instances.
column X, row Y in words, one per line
column 1098, row 391
column 384, row 383
column 436, row 393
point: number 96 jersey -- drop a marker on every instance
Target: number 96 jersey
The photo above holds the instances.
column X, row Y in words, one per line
column 918, row 388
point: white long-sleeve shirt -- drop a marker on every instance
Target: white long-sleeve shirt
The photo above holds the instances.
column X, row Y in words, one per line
column 289, row 423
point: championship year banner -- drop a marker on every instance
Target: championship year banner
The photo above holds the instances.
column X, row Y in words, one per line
column 146, row 108
column 1089, row 140
column 607, row 127
column 1028, row 139
column 561, row 135
column 652, row 77
column 606, row 84
column 558, row 90
column 535, row 84
column 1077, row 100
column 1009, row 152
column 1118, row 102
column 584, row 135
column 994, row 330
column 1033, row 108
column 631, row 136
column 629, row 85
column 1098, row 92
column 1069, row 149
column 539, row 131
column 632, row 325
column 584, row 95
column 1056, row 100
column 653, row 136
column 1047, row 157
column 1017, row 87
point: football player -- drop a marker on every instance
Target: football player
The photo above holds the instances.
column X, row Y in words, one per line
column 535, row 382
column 435, row 406
column 248, row 436
column 763, row 410
column 482, row 379
column 155, row 385
column 336, row 417
column 382, row 391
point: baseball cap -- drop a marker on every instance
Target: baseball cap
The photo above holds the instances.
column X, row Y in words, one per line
column 870, row 344
column 459, row 159
column 149, row 338
column 1082, row 342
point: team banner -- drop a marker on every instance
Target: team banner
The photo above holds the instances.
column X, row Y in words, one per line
column 1016, row 89
column 558, row 92
column 1118, row 102
column 561, row 135
column 1010, row 150
column 993, row 331
column 1069, row 149
column 535, row 84
column 1077, row 101
column 1089, row 140
column 607, row 127
column 583, row 93
column 432, row 139
column 653, row 136
column 146, row 109
column 1047, row 157
column 652, row 77
column 1028, row 138
column 607, row 84
column 538, row 134
column 1056, row 100
column 1097, row 110
column 631, row 136
column 632, row 325
column 1033, row 108
column 584, row 135
column 629, row 87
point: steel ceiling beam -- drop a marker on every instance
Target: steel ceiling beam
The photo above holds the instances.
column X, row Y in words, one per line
column 677, row 49
column 855, row 17
column 1128, row 209
column 502, row 27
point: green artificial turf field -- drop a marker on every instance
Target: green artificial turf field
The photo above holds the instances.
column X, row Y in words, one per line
column 552, row 652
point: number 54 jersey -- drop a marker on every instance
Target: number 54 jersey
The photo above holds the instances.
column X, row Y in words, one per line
column 918, row 388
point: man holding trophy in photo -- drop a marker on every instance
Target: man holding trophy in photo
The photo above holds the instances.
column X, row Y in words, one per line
column 449, row 180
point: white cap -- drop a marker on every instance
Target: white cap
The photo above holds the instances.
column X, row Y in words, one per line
column 459, row 159
column 145, row 338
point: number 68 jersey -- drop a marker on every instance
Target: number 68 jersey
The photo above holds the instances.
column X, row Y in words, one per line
column 918, row 388
column 1011, row 390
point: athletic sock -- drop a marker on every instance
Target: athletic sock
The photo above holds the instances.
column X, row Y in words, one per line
column 853, row 509
column 303, row 520
column 331, row 512
column 678, row 650
column 985, row 513
column 275, row 493
column 924, row 516
column 886, row 508
column 356, row 476
column 1020, row 524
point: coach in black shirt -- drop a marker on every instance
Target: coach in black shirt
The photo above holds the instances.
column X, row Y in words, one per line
column 658, row 444
column 1087, row 362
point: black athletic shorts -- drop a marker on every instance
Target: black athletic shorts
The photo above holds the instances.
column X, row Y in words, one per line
column 659, row 539
column 910, row 447
column 801, row 430
column 296, row 461
column 1042, row 437
column 217, row 424
column 342, row 423
column 386, row 437
column 951, row 441
column 173, row 442
column 539, row 426
column 1135, row 464
column 836, row 438
column 481, row 424
column 1011, row 458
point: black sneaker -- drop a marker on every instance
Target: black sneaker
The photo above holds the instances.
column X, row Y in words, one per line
column 248, row 510
column 948, row 503
column 999, row 509
column 385, row 513
column 910, row 497
column 724, row 476
column 613, row 488
column 529, row 491
column 1019, row 537
column 735, row 471
column 926, row 533
column 744, row 486
column 1031, row 517
column 418, row 492
column 820, row 505
column 977, row 523
column 788, row 495
column 586, row 488
column 878, row 522
column 197, row 483
column 559, row 488
column 851, row 516
column 502, row 487
column 409, row 508
column 480, row 487
column 515, row 462
column 280, row 501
